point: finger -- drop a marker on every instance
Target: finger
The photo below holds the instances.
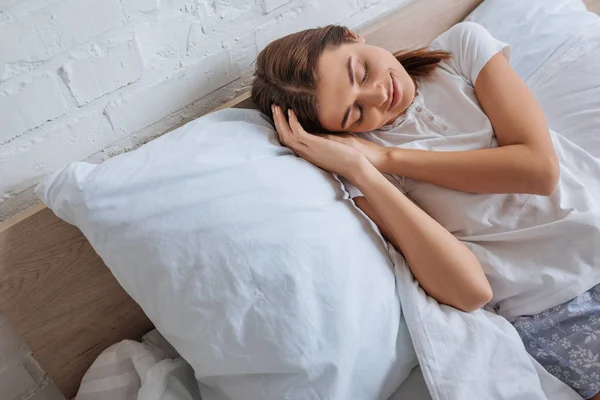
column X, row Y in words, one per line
column 295, row 124
column 281, row 125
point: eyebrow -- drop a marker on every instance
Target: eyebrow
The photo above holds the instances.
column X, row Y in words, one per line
column 351, row 77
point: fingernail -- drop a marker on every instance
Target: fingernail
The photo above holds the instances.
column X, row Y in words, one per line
column 290, row 112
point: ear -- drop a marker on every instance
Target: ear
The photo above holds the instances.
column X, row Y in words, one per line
column 357, row 38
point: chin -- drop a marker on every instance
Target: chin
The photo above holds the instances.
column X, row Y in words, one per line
column 396, row 115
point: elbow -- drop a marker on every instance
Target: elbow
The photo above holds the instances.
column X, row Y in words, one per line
column 547, row 178
column 477, row 298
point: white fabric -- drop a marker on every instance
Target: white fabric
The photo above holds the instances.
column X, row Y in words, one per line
column 274, row 288
column 150, row 370
column 560, row 36
column 270, row 287
column 537, row 252
column 153, row 370
column 476, row 355
column 473, row 355
column 534, row 28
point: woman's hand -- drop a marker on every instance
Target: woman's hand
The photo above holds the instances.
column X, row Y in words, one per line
column 376, row 154
column 329, row 155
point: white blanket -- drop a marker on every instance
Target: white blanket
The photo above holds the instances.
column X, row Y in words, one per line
column 150, row 370
column 470, row 356
column 462, row 356
column 480, row 355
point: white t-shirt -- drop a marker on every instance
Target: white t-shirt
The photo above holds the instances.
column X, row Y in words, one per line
column 536, row 251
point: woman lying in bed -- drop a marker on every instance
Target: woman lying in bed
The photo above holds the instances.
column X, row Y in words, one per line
column 453, row 146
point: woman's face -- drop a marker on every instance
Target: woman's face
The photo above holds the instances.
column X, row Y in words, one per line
column 361, row 88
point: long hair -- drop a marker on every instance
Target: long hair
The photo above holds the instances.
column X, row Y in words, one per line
column 286, row 71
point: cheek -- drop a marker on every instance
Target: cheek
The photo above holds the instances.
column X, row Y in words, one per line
column 373, row 120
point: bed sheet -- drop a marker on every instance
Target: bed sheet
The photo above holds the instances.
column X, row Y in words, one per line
column 153, row 370
column 146, row 370
column 571, row 101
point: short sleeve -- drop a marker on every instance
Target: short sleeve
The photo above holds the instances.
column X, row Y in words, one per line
column 471, row 47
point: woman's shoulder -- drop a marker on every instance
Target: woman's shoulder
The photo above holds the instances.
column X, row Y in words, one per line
column 471, row 46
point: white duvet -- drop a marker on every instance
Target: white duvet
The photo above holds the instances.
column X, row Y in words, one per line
column 462, row 356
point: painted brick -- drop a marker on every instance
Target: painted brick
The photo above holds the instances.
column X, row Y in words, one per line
column 270, row 5
column 241, row 17
column 14, row 381
column 155, row 102
column 135, row 8
column 64, row 24
column 31, row 106
column 21, row 49
column 309, row 15
column 26, row 159
column 93, row 77
column 163, row 39
column 367, row 3
column 172, row 35
column 227, row 10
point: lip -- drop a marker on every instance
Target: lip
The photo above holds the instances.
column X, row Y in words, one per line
column 395, row 93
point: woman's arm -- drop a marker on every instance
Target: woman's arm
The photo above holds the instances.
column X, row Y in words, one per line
column 445, row 268
column 525, row 162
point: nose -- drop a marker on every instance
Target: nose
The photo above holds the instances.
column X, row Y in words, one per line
column 375, row 95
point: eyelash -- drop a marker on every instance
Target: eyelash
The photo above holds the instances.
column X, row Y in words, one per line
column 362, row 116
column 366, row 67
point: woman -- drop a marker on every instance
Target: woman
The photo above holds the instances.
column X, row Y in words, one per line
column 456, row 131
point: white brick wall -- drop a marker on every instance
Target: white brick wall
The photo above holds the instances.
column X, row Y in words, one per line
column 30, row 105
column 88, row 79
column 130, row 67
column 102, row 73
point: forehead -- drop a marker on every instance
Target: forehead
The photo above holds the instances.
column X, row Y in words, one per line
column 333, row 85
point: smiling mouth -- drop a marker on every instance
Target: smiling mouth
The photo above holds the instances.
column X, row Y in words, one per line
column 394, row 93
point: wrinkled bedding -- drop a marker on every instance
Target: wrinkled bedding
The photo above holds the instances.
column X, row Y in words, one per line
column 461, row 356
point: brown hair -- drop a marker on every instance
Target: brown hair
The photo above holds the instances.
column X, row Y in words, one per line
column 286, row 70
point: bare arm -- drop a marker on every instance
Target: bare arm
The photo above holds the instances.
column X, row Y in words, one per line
column 524, row 162
column 445, row 268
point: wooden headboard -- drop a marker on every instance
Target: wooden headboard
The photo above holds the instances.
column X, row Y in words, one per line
column 59, row 294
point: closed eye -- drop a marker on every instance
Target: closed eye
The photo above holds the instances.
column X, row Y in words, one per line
column 361, row 118
column 366, row 75
column 360, row 108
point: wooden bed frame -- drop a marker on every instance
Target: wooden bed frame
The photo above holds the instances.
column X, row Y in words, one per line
column 59, row 294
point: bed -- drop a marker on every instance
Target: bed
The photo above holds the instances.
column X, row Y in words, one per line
column 58, row 293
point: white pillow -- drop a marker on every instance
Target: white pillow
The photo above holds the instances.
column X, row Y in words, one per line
column 250, row 261
column 556, row 50
column 534, row 28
